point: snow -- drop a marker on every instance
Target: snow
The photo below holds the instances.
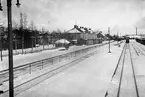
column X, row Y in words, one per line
column 88, row 78
column 140, row 69
column 62, row 41
column 22, row 59
column 128, row 84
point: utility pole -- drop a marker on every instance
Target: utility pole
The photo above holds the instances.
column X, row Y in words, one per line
column 10, row 39
column 117, row 37
column 136, row 30
column 1, row 47
column 35, row 40
column 43, row 37
column 109, row 39
column 1, row 9
column 117, row 33
column 23, row 43
column 32, row 41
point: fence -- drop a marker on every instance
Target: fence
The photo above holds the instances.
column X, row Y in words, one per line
column 41, row 64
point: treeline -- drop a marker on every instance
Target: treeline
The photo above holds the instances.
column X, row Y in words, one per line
column 24, row 35
column 27, row 36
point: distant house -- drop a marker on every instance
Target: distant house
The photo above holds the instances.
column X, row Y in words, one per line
column 45, row 38
column 82, row 35
column 25, row 37
column 75, row 34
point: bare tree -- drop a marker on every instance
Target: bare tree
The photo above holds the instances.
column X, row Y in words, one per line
column 21, row 28
column 43, row 31
column 25, row 20
column 23, row 25
column 21, row 20
column 32, row 26
column 15, row 25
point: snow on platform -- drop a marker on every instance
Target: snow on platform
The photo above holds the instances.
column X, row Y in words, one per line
column 22, row 59
column 89, row 78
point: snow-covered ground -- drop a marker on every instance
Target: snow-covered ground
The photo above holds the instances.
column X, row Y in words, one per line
column 22, row 59
column 89, row 78
column 128, row 87
column 139, row 63
column 28, row 50
column 92, row 76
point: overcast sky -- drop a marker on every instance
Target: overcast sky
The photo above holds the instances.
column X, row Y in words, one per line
column 120, row 15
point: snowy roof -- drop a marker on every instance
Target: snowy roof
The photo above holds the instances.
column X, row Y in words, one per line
column 75, row 30
column 62, row 41
column 80, row 29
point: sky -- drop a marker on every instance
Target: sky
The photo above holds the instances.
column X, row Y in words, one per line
column 122, row 16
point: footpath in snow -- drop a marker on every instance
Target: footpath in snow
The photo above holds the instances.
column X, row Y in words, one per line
column 88, row 78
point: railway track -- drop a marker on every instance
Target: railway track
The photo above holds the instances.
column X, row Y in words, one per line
column 125, row 76
column 136, row 51
column 134, row 75
column 36, row 80
column 141, row 48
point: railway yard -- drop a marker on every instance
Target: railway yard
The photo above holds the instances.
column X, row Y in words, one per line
column 81, row 71
column 72, row 48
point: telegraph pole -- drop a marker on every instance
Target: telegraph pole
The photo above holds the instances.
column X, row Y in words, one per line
column 117, row 37
column 1, row 9
column 1, row 48
column 32, row 41
column 136, row 30
column 109, row 39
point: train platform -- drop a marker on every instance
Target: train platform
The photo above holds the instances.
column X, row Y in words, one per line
column 22, row 59
column 87, row 78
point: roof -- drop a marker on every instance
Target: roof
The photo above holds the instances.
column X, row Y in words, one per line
column 76, row 29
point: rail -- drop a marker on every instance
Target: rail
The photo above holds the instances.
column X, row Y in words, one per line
column 122, row 72
column 134, row 75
